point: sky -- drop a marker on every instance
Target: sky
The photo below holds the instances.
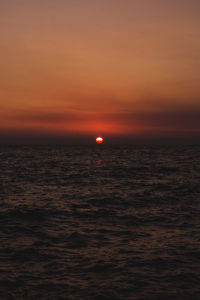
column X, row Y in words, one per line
column 75, row 69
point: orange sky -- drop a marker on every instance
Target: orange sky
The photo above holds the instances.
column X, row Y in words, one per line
column 91, row 67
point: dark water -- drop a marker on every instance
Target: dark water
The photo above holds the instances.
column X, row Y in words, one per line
column 100, row 222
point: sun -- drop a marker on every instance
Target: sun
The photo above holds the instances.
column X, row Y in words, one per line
column 99, row 140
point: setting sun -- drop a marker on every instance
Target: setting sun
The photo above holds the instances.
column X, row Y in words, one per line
column 99, row 140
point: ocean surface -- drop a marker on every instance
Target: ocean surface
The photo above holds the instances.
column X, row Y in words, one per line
column 100, row 222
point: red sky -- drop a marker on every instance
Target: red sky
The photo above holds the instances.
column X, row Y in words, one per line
column 91, row 67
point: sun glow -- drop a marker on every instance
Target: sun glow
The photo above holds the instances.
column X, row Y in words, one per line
column 99, row 140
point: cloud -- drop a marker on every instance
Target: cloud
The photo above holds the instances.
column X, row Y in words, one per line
column 76, row 125
column 165, row 119
column 177, row 118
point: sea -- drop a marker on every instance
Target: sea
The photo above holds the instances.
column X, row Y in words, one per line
column 100, row 222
